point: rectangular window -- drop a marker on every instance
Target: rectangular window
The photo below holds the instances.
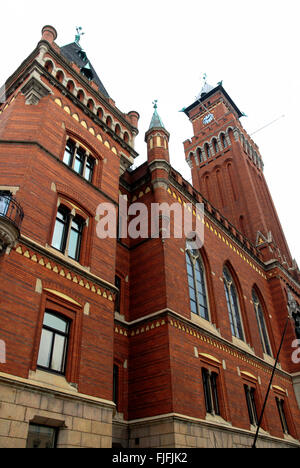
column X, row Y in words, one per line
column 89, row 167
column 69, row 153
column 210, row 388
column 116, row 385
column 251, row 404
column 41, row 436
column 53, row 344
column 118, row 295
column 67, row 234
column 79, row 161
column 281, row 411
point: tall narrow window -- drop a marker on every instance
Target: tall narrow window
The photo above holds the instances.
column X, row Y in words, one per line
column 69, row 153
column 61, row 229
column 79, row 160
column 76, row 228
column 224, row 141
column 233, row 305
column 116, row 385
column 118, row 295
column 209, row 380
column 207, row 150
column 261, row 324
column 215, row 146
column 251, row 404
column 200, row 156
column 67, row 233
column 196, row 282
column 282, row 415
column 89, row 168
column 53, row 344
column 297, row 324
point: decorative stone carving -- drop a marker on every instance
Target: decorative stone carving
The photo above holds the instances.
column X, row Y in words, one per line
column 34, row 90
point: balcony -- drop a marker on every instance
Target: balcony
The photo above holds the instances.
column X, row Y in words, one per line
column 11, row 217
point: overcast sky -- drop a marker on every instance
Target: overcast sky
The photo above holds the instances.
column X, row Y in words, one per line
column 160, row 49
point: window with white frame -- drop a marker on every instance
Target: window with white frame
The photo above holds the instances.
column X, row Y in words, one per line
column 233, row 305
column 79, row 159
column 196, row 282
column 68, row 230
column 263, row 332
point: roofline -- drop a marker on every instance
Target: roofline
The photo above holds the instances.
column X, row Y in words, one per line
column 209, row 94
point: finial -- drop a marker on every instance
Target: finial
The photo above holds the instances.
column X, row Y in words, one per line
column 79, row 34
column 155, row 104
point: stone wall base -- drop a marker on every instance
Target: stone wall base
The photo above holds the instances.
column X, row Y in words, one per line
column 176, row 431
column 83, row 422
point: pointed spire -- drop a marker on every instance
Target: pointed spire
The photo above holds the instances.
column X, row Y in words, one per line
column 157, row 138
column 156, row 121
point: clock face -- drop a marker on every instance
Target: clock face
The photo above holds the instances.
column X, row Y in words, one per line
column 207, row 119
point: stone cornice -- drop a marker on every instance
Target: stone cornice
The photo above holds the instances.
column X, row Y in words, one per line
column 211, row 338
column 276, row 264
column 64, row 264
column 56, row 391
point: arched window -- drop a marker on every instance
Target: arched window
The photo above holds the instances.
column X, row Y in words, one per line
column 224, row 141
column 91, row 104
column 67, row 233
column 200, row 156
column 100, row 113
column 215, row 146
column 60, row 76
column 261, row 324
column 49, row 66
column 80, row 95
column 70, row 86
column 196, row 281
column 207, row 150
column 233, row 305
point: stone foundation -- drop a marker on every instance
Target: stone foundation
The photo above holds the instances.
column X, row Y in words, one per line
column 176, row 431
column 296, row 384
column 87, row 422
column 83, row 421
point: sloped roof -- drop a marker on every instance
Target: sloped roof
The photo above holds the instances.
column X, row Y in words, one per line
column 156, row 121
column 74, row 53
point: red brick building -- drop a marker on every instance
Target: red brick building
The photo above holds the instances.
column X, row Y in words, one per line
column 137, row 342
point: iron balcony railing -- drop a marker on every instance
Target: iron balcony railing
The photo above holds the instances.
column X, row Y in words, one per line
column 11, row 210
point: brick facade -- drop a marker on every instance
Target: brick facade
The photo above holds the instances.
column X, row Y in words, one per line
column 156, row 345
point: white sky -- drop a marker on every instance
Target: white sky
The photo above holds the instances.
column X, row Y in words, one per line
column 159, row 49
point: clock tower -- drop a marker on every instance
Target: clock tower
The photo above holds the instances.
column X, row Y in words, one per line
column 227, row 168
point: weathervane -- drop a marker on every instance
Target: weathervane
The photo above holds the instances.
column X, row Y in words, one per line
column 155, row 104
column 79, row 34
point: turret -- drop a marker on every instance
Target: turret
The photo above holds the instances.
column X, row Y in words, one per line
column 157, row 139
